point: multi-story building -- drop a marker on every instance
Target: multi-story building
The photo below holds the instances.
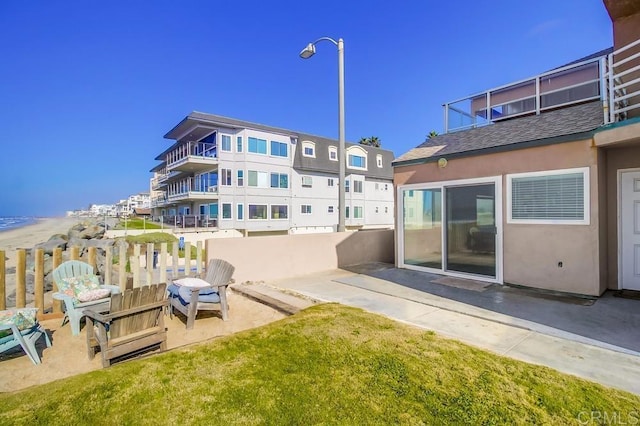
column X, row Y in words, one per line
column 125, row 207
column 537, row 182
column 230, row 174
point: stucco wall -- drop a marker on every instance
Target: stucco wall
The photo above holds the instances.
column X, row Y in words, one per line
column 617, row 159
column 532, row 252
column 276, row 257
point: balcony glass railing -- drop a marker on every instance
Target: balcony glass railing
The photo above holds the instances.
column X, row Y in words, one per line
column 190, row 150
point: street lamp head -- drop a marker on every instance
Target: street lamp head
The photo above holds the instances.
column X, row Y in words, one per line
column 308, row 51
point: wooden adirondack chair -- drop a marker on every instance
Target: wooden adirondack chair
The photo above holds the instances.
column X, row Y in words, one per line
column 72, row 306
column 134, row 323
column 212, row 296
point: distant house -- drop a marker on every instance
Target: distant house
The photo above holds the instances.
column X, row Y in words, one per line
column 142, row 212
column 252, row 179
column 535, row 183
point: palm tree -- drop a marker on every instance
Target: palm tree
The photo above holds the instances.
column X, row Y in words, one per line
column 372, row 141
column 432, row 134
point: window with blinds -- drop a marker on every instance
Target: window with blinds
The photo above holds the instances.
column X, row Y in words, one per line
column 555, row 197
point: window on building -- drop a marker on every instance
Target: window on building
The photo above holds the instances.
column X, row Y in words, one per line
column 258, row 179
column 226, row 210
column 386, row 209
column 357, row 186
column 333, row 153
column 308, row 149
column 386, row 186
column 307, row 182
column 330, row 182
column 226, row 143
column 357, row 161
column 346, row 212
column 240, row 177
column 279, row 180
column 330, row 209
column 379, row 160
column 346, row 185
column 225, row 177
column 279, row 149
column 376, row 209
column 258, row 146
column 240, row 215
column 257, row 211
column 239, row 144
column 549, row 197
column 357, row 212
column 278, row 211
column 305, row 209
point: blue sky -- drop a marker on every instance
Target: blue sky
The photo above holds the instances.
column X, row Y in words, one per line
column 88, row 89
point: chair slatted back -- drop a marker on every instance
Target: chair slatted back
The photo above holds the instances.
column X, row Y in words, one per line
column 219, row 272
column 71, row 268
column 133, row 298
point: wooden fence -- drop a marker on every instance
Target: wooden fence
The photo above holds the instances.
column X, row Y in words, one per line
column 121, row 277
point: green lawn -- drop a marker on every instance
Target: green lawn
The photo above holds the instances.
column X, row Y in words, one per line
column 137, row 223
column 329, row 364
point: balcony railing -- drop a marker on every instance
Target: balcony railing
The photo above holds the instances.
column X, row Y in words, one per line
column 614, row 79
column 191, row 150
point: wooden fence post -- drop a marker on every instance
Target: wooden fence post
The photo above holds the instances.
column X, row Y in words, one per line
column 122, row 275
column 57, row 260
column 163, row 262
column 108, row 263
column 92, row 258
column 174, row 267
column 135, row 265
column 187, row 259
column 74, row 253
column 149, row 275
column 21, row 278
column 3, row 282
column 39, row 281
column 199, row 257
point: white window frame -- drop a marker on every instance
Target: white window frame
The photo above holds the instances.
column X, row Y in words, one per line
column 266, row 208
column 305, row 209
column 228, row 138
column 309, row 144
column 330, row 181
column 357, row 152
column 270, row 211
column 221, row 214
column 379, row 160
column 586, row 198
column 307, row 181
column 330, row 209
column 333, row 150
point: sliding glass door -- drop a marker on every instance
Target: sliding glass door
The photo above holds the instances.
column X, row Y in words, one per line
column 452, row 227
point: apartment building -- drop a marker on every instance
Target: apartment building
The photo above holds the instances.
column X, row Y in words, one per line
column 537, row 182
column 249, row 178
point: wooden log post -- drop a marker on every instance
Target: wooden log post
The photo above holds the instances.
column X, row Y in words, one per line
column 149, row 272
column 108, row 263
column 163, row 262
column 174, row 261
column 134, row 264
column 199, row 258
column 187, row 259
column 3, row 282
column 92, row 258
column 39, row 281
column 122, row 273
column 21, row 278
column 57, row 260
column 74, row 253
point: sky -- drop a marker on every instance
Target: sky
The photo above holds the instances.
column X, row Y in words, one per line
column 89, row 89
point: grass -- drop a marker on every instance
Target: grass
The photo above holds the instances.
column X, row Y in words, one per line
column 136, row 223
column 329, row 364
column 161, row 237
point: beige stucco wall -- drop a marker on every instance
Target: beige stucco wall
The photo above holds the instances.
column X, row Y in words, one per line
column 284, row 256
column 532, row 252
column 617, row 159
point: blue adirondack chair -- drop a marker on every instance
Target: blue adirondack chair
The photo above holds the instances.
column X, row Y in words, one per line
column 74, row 308
column 25, row 330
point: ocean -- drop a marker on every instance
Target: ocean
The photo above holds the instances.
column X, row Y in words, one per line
column 12, row 222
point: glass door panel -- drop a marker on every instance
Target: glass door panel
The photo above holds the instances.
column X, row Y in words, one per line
column 423, row 227
column 471, row 229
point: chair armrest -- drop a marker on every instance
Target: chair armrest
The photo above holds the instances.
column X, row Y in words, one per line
column 113, row 315
column 96, row 316
column 114, row 288
column 61, row 296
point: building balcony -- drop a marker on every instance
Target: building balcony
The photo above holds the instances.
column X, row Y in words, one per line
column 192, row 157
column 613, row 78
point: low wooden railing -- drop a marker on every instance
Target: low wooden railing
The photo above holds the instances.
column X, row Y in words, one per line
column 123, row 278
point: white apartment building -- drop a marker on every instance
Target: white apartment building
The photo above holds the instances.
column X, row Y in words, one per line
column 231, row 174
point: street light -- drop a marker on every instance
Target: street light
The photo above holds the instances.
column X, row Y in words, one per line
column 306, row 53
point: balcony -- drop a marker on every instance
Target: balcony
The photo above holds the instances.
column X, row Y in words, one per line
column 192, row 188
column 611, row 78
column 192, row 157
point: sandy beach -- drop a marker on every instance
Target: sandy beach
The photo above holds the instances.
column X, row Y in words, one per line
column 27, row 237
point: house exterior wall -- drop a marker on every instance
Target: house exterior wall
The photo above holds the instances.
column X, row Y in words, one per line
column 532, row 253
column 616, row 159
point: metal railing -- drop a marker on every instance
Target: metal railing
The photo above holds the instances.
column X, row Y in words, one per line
column 613, row 78
column 189, row 221
column 188, row 150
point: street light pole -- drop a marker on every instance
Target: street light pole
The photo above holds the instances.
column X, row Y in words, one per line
column 306, row 53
